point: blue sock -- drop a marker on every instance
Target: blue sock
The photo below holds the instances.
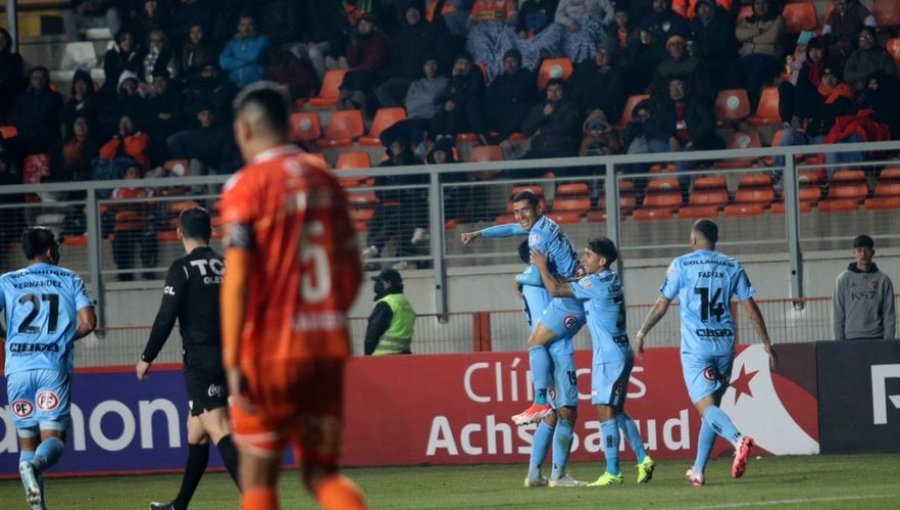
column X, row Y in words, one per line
column 705, row 442
column 47, row 454
column 539, row 446
column 610, row 431
column 721, row 424
column 539, row 361
column 629, row 428
column 562, row 443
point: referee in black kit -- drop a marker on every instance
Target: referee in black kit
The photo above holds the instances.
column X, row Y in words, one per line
column 191, row 295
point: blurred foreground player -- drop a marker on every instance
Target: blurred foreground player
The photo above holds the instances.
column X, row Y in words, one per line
column 46, row 309
column 293, row 272
column 191, row 295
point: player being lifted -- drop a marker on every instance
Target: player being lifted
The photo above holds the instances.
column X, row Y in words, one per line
column 293, row 272
column 557, row 427
column 46, row 309
column 191, row 295
column 562, row 316
column 704, row 282
column 600, row 292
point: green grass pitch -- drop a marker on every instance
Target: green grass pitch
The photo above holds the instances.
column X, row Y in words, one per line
column 820, row 483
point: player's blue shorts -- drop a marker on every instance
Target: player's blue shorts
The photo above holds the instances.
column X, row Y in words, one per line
column 609, row 381
column 39, row 398
column 705, row 375
column 564, row 316
column 564, row 384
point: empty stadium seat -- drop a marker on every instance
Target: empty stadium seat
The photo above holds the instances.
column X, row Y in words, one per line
column 343, row 129
column 384, row 118
column 652, row 214
column 353, row 161
column 629, row 106
column 732, row 106
column 800, row 17
column 704, row 203
column 553, row 68
column 887, row 196
column 754, row 194
column 486, row 153
column 565, row 217
column 331, row 89
column 848, row 176
column 745, row 210
column 572, row 204
column 305, row 127
column 838, row 205
column 767, row 110
column 572, row 189
column 852, row 191
column 712, row 182
column 741, row 140
column 890, row 174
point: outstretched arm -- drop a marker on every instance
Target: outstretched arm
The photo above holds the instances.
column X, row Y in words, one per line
column 505, row 230
column 759, row 325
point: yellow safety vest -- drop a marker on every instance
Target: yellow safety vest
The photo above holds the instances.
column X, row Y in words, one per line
column 398, row 337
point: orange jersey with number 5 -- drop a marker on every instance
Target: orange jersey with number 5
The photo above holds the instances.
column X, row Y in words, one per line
column 305, row 269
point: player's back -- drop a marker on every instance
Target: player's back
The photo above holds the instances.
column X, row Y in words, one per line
column 305, row 264
column 546, row 237
column 198, row 317
column 41, row 304
column 705, row 281
column 604, row 308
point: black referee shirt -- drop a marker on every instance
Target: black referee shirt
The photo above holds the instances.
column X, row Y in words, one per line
column 191, row 295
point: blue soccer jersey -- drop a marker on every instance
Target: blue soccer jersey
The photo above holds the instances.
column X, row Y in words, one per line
column 546, row 237
column 704, row 282
column 604, row 309
column 41, row 304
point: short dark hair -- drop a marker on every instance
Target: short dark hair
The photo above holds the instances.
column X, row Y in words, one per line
column 525, row 252
column 272, row 99
column 707, row 229
column 37, row 240
column 557, row 81
column 604, row 247
column 863, row 241
column 528, row 195
column 195, row 223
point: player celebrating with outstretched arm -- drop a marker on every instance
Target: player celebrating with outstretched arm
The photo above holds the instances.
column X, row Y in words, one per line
column 704, row 282
column 562, row 316
column 600, row 292
column 46, row 309
column 293, row 273
column 191, row 295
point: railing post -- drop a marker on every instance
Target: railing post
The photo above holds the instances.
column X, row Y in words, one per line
column 792, row 221
column 95, row 237
column 613, row 217
column 481, row 332
column 12, row 24
column 438, row 241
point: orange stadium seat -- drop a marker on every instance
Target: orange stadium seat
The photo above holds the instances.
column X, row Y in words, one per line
column 572, row 189
column 745, row 210
column 663, row 185
column 553, row 68
column 732, row 106
column 855, row 191
column 353, row 161
column 331, row 89
column 838, row 205
column 305, row 127
column 767, row 110
column 652, row 214
column 7, row 132
column 889, row 174
column 741, row 140
column 384, row 118
column 848, row 176
column 886, row 12
column 580, row 205
column 800, row 17
column 887, row 196
column 481, row 153
column 704, row 203
column 343, row 129
column 629, row 106
column 709, row 183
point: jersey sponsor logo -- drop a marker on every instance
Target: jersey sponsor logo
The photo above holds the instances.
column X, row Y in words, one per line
column 216, row 390
column 24, row 348
column 534, row 239
column 22, row 408
column 47, row 400
column 713, row 333
column 710, row 373
column 587, row 283
column 570, row 322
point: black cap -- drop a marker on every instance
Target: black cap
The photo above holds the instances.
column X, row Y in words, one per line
column 391, row 276
column 863, row 241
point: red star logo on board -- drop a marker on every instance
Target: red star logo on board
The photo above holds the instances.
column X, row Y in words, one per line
column 741, row 384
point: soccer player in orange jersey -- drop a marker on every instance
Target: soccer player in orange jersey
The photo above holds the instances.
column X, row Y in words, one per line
column 293, row 272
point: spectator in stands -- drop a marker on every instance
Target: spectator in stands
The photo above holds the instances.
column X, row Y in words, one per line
column 492, row 32
column 281, row 66
column 463, row 103
column 762, row 38
column 130, row 142
column 625, row 33
column 161, row 116
column 538, row 35
column 366, row 58
column 688, row 8
column 842, row 28
column 86, row 14
column 71, row 159
column 196, row 53
column 423, row 99
column 663, row 22
column 880, row 96
column 83, row 101
column 148, row 17
column 186, row 14
column 158, row 59
column 37, row 114
column 326, row 34
column 598, row 138
column 600, row 84
column 584, row 22
column 210, row 87
column 807, row 78
column 712, row 31
column 635, row 139
column 10, row 74
column 510, row 96
column 416, row 40
column 683, row 122
column 643, row 59
column 126, row 102
column 863, row 301
column 866, row 60
column 242, row 54
column 211, row 143
column 679, row 63
column 133, row 227
column 122, row 57
column 554, row 125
